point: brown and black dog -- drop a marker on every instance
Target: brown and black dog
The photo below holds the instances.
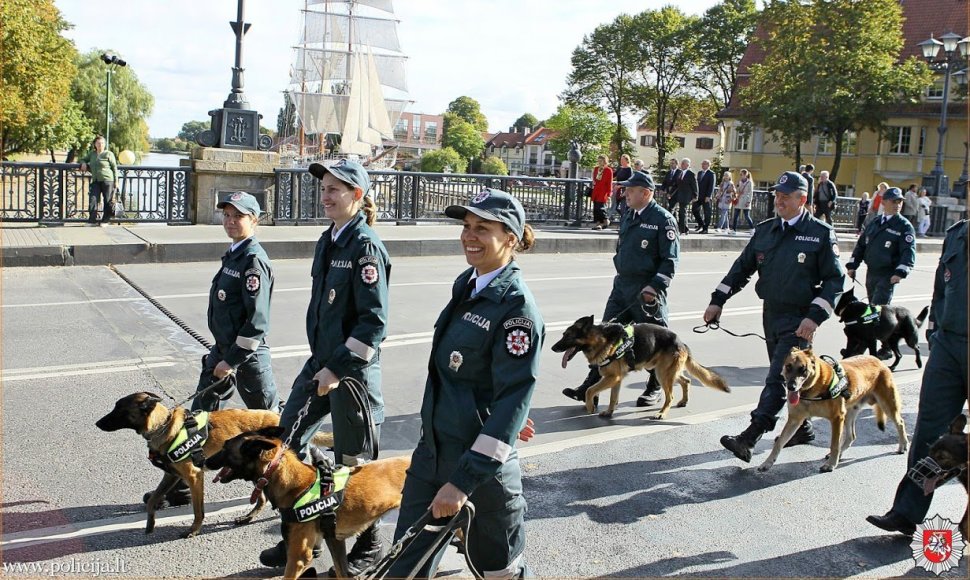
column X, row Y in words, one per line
column 146, row 415
column 951, row 453
column 808, row 379
column 373, row 489
column 653, row 348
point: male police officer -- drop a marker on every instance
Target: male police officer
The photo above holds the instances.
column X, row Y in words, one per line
column 646, row 258
column 799, row 280
column 888, row 247
column 944, row 390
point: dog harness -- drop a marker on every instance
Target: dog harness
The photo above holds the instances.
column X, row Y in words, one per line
column 622, row 348
column 190, row 439
column 321, row 500
column 838, row 386
column 868, row 317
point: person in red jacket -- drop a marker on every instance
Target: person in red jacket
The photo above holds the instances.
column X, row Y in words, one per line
column 602, row 188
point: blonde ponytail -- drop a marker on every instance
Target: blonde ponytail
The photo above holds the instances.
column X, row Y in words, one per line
column 370, row 210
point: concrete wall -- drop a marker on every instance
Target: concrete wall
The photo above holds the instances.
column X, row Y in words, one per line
column 218, row 171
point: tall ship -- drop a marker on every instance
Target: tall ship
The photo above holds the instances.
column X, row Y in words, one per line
column 348, row 82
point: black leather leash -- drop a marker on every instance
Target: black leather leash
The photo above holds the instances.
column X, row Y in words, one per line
column 716, row 324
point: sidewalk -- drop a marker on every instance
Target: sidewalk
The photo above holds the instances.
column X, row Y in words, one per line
column 80, row 245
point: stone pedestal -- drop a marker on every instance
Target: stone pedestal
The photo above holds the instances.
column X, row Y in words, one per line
column 217, row 171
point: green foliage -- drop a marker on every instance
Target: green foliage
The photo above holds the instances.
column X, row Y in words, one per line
column 468, row 109
column 722, row 35
column 440, row 160
column 589, row 126
column 36, row 68
column 526, row 120
column 462, row 137
column 131, row 103
column 191, row 129
column 493, row 166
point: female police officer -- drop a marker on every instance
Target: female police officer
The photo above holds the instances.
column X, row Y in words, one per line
column 346, row 323
column 888, row 247
column 484, row 362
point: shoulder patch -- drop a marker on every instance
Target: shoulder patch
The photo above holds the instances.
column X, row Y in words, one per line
column 252, row 283
column 671, row 235
column 251, row 271
column 518, row 321
column 909, row 238
column 368, row 260
column 518, row 339
column 370, row 274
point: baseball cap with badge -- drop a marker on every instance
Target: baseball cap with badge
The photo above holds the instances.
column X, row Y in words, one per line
column 350, row 172
column 638, row 179
column 791, row 181
column 892, row 194
column 242, row 201
column 493, row 205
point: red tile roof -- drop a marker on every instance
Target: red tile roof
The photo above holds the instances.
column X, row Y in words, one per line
column 542, row 135
column 506, row 139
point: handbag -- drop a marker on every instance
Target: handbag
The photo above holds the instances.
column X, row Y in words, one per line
column 117, row 209
column 588, row 191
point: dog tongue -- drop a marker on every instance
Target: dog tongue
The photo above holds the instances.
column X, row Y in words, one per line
column 566, row 356
column 793, row 397
column 224, row 472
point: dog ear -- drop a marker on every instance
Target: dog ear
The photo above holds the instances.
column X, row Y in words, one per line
column 254, row 447
column 958, row 425
column 148, row 405
column 272, row 432
column 586, row 321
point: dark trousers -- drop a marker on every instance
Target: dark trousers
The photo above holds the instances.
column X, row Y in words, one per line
column 702, row 214
column 682, row 216
column 779, row 329
column 879, row 288
column 823, row 211
column 599, row 214
column 941, row 398
column 254, row 380
column 747, row 216
column 497, row 538
column 100, row 190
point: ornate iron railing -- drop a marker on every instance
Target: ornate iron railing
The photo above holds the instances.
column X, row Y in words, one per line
column 55, row 193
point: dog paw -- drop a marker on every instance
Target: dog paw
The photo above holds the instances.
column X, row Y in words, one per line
column 764, row 468
column 681, row 404
column 659, row 416
column 190, row 534
column 826, row 468
column 242, row 521
column 606, row 414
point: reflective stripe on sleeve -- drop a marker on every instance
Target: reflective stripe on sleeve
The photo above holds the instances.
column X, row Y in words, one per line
column 664, row 278
column 491, row 447
column 247, row 343
column 359, row 348
column 723, row 288
column 824, row 305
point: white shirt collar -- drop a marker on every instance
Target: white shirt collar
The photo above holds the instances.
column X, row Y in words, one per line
column 485, row 279
column 235, row 245
column 793, row 220
column 336, row 233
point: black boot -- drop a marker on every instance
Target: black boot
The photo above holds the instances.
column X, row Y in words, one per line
column 367, row 550
column 579, row 393
column 743, row 443
column 651, row 394
column 804, row 435
column 893, row 522
column 177, row 496
column 275, row 557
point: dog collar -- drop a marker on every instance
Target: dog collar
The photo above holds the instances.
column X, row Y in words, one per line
column 263, row 480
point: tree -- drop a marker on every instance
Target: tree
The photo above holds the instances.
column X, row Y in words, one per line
column 493, row 166
column 191, row 129
column 35, row 74
column 527, row 120
column 468, row 109
column 131, row 103
column 439, row 160
column 589, row 126
column 462, row 137
column 73, row 132
column 722, row 36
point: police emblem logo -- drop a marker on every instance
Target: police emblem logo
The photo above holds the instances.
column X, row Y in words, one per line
column 909, row 238
column 221, row 295
column 369, row 274
column 252, row 283
column 481, row 196
column 455, row 360
column 517, row 341
column 937, row 545
column 760, row 257
column 801, row 257
column 889, row 244
column 946, row 275
column 783, row 179
column 671, row 235
column 835, row 249
column 644, row 244
column 236, row 196
column 331, row 296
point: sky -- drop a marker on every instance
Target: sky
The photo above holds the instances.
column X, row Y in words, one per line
column 512, row 56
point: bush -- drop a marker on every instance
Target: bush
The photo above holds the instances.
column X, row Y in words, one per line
column 494, row 166
column 436, row 161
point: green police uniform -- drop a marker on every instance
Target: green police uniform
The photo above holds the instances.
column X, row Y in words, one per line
column 799, row 276
column 238, row 316
column 483, row 368
column 944, row 390
column 889, row 249
column 346, row 323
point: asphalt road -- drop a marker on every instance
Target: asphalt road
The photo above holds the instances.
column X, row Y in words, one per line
column 629, row 496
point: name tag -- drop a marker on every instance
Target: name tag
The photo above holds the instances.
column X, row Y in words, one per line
column 477, row 320
column 230, row 272
column 341, row 264
column 808, row 239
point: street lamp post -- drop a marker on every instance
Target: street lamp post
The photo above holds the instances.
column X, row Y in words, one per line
column 110, row 61
column 954, row 59
column 574, row 156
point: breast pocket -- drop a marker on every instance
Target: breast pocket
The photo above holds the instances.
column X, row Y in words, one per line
column 336, row 286
column 464, row 351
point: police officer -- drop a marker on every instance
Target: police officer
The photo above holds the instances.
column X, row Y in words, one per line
column 346, row 323
column 799, row 280
column 646, row 258
column 944, row 390
column 239, row 303
column 888, row 247
column 481, row 375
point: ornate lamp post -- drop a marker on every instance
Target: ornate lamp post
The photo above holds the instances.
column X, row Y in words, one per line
column 110, row 61
column 954, row 59
column 574, row 156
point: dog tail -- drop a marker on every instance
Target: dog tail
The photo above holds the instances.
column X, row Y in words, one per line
column 706, row 375
column 880, row 417
column 922, row 316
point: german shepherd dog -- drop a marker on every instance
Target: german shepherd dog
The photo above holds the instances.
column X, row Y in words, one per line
column 951, row 452
column 808, row 379
column 654, row 348
column 893, row 324
column 373, row 489
column 146, row 415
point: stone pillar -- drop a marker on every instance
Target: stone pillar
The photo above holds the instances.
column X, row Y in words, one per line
column 216, row 172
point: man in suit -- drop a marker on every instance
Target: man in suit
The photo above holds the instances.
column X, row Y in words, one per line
column 705, row 192
column 669, row 183
column 685, row 192
column 807, row 174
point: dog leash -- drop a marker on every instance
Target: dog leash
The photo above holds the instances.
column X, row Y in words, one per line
column 229, row 378
column 715, row 325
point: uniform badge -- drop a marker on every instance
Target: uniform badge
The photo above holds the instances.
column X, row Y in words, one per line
column 889, row 244
column 221, row 295
column 455, row 360
column 937, row 545
column 671, row 235
column 252, row 283
column 759, row 257
column 835, row 249
column 517, row 341
column 481, row 196
column 801, row 257
column 236, row 196
column 369, row 274
column 644, row 244
column 946, row 275
column 909, row 239
column 331, row 296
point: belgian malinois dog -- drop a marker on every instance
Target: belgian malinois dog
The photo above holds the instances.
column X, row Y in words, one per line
column 373, row 489
column 951, row 452
column 649, row 347
column 146, row 415
column 810, row 382
column 890, row 325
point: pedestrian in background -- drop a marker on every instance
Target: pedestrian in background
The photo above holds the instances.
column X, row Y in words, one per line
column 622, row 173
column 888, row 247
column 807, row 173
column 910, row 209
column 685, row 192
column 669, row 183
column 861, row 213
column 104, row 175
column 602, row 188
column 875, row 206
column 744, row 196
column 725, row 202
column 923, row 214
column 826, row 195
column 706, row 183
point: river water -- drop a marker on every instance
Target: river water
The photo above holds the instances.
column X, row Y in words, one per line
column 161, row 159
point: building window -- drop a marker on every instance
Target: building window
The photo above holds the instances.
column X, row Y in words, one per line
column 704, row 143
column 741, row 140
column 849, row 143
column 680, row 141
column 826, row 145
column 899, row 138
column 401, row 129
column 416, row 128
column 922, row 140
column 431, row 130
column 935, row 91
column 648, row 140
